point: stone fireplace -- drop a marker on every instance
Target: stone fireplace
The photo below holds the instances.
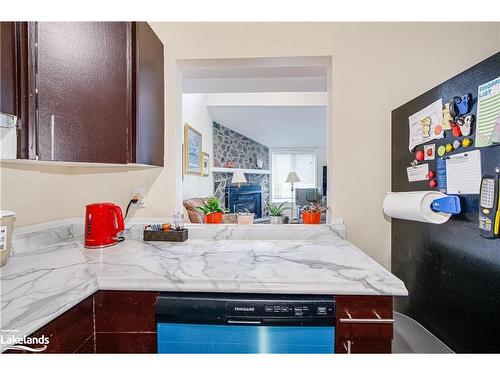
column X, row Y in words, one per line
column 247, row 198
column 243, row 152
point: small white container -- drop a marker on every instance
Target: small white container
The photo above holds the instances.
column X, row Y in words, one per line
column 275, row 219
column 6, row 227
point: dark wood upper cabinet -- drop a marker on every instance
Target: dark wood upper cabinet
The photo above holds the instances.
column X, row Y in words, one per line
column 148, row 96
column 8, row 86
column 83, row 89
column 91, row 91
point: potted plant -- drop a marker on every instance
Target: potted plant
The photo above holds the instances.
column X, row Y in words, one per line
column 275, row 212
column 311, row 214
column 212, row 210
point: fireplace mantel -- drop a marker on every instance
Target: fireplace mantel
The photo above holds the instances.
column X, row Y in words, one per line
column 231, row 170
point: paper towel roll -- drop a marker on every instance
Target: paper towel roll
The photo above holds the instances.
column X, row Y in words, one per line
column 414, row 205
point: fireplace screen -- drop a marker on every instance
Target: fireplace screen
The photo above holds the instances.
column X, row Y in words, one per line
column 246, row 198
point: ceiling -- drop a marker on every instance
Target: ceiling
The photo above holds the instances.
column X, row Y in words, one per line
column 276, row 126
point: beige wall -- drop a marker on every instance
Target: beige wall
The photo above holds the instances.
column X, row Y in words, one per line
column 196, row 113
column 376, row 68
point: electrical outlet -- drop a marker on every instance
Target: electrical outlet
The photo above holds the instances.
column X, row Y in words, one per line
column 140, row 192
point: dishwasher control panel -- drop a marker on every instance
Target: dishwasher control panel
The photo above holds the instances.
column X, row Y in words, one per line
column 271, row 309
column 241, row 308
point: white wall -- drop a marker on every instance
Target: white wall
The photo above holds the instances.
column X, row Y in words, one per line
column 376, row 68
column 196, row 113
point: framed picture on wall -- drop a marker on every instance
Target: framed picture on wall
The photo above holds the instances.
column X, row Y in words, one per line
column 192, row 150
column 205, row 164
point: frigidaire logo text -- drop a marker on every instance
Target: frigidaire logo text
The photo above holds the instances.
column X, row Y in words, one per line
column 244, row 309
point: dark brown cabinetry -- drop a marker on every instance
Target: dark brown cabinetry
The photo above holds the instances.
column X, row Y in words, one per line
column 148, row 96
column 83, row 91
column 105, row 322
column 8, row 86
column 364, row 324
column 95, row 92
column 125, row 322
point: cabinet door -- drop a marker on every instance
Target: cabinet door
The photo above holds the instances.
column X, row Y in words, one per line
column 7, row 68
column 364, row 324
column 147, row 135
column 363, row 346
column 83, row 91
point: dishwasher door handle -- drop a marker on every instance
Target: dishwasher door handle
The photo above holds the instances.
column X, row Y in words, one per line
column 250, row 322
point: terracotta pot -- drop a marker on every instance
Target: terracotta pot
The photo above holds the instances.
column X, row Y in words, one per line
column 311, row 217
column 245, row 219
column 213, row 218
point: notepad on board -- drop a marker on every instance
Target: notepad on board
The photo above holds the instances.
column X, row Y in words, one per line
column 463, row 173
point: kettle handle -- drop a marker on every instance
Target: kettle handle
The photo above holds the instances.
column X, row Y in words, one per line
column 119, row 218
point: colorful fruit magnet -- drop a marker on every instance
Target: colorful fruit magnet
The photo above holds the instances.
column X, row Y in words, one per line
column 441, row 150
column 419, row 155
column 429, row 152
column 438, row 129
column 449, row 147
column 433, row 184
column 455, row 130
column 431, row 175
column 456, row 144
column 466, row 142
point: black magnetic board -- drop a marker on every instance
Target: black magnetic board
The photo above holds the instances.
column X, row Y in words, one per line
column 452, row 274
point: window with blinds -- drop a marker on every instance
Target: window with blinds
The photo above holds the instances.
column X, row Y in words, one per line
column 302, row 162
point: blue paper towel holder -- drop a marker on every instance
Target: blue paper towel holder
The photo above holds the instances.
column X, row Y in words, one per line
column 449, row 204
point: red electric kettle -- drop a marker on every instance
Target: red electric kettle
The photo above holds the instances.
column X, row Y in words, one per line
column 103, row 222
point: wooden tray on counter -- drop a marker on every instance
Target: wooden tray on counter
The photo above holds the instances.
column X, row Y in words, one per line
column 169, row 235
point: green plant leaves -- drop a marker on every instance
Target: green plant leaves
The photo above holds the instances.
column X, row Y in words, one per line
column 275, row 209
column 212, row 204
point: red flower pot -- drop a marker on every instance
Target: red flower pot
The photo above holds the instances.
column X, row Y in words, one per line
column 311, row 217
column 213, row 218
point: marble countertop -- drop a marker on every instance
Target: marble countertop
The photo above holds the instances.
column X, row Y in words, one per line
column 54, row 272
column 38, row 286
column 244, row 266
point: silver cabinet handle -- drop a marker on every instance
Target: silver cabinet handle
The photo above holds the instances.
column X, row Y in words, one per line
column 52, row 125
column 347, row 346
column 377, row 320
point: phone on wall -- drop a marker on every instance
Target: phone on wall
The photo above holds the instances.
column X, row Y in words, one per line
column 489, row 209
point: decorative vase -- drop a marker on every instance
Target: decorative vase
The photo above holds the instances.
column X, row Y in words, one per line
column 311, row 217
column 245, row 218
column 213, row 218
column 276, row 219
column 260, row 163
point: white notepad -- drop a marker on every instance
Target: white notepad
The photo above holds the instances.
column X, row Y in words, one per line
column 463, row 173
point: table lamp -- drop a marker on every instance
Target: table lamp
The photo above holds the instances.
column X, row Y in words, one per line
column 292, row 177
column 238, row 177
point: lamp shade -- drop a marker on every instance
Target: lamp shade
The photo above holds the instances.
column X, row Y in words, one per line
column 238, row 177
column 292, row 177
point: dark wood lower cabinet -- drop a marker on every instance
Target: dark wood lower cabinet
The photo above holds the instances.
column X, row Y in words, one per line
column 363, row 346
column 364, row 324
column 70, row 332
column 125, row 322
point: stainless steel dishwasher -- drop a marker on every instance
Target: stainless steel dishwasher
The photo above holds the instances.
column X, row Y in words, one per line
column 245, row 323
